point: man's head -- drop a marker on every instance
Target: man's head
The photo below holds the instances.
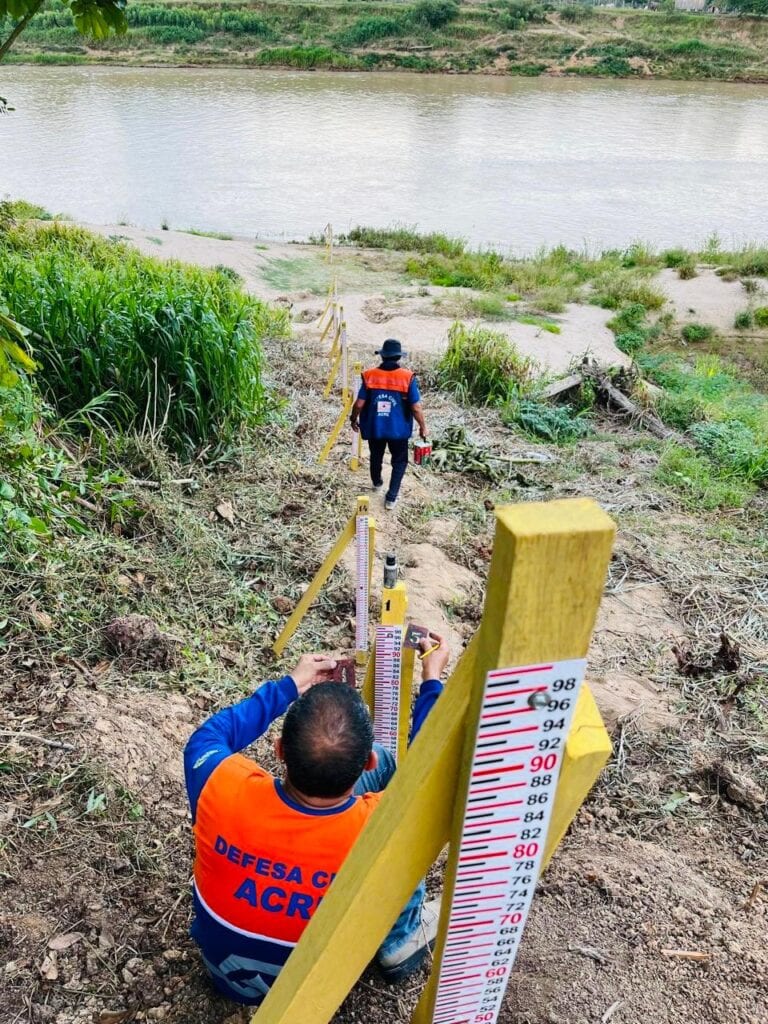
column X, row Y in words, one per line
column 391, row 351
column 327, row 740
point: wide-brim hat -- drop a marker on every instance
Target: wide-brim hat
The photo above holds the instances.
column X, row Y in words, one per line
column 391, row 349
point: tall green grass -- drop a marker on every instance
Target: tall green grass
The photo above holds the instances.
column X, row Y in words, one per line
column 175, row 349
column 484, row 367
column 404, row 238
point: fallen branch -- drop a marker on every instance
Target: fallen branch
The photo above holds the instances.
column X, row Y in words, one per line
column 35, row 737
column 613, row 396
column 687, row 954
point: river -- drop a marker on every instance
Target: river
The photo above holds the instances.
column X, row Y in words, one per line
column 509, row 161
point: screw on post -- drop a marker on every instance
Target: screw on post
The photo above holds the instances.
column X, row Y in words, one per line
column 539, row 700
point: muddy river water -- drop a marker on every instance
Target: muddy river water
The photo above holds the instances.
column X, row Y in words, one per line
column 510, row 161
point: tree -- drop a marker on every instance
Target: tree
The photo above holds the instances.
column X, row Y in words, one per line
column 96, row 18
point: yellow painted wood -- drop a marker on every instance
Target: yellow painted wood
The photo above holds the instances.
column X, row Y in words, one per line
column 332, row 320
column 544, row 586
column 330, row 562
column 335, row 363
column 337, row 428
column 555, row 557
column 406, row 695
column 587, row 750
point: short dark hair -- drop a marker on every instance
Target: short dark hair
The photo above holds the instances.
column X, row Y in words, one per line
column 327, row 739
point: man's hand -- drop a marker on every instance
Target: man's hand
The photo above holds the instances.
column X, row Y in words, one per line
column 423, row 432
column 353, row 423
column 313, row 669
column 434, row 664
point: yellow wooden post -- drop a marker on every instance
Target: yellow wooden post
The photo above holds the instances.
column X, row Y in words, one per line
column 338, row 426
column 335, row 348
column 544, row 587
column 332, row 379
column 331, row 320
column 331, row 560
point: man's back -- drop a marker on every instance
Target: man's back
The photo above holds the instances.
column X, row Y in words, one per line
column 263, row 863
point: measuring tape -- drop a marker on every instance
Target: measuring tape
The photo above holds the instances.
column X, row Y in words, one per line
column 386, row 702
column 524, row 722
column 362, row 586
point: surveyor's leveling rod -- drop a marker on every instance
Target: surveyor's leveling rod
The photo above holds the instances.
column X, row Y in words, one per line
column 350, row 532
column 363, row 586
column 389, row 677
column 520, row 739
column 346, row 409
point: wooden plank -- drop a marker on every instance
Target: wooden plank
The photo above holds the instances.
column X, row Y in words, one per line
column 544, row 587
column 331, row 560
column 545, row 583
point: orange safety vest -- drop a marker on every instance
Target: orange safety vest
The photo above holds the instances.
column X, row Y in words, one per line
column 388, row 380
column 262, row 862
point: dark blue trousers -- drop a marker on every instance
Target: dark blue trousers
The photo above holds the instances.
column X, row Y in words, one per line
column 398, row 449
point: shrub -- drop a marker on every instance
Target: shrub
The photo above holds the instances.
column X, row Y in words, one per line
column 492, row 307
column 369, row 29
column 675, row 258
column 171, row 347
column 686, row 271
column 630, row 342
column 483, row 367
column 434, row 13
column 618, row 288
column 735, row 447
column 744, row 320
column 701, row 484
column 761, row 316
column 694, row 334
column 404, row 239
column 575, row 12
column 680, row 410
column 556, row 423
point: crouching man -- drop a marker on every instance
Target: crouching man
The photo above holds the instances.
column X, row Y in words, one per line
column 267, row 849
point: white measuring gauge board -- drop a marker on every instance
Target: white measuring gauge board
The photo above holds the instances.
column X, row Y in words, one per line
column 524, row 722
column 386, row 700
column 362, row 588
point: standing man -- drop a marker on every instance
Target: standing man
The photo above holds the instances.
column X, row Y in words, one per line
column 387, row 404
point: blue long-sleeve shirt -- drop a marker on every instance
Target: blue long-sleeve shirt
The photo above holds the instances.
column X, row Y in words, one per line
column 237, row 727
column 256, row 848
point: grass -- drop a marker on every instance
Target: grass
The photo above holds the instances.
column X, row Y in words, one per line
column 700, row 484
column 482, row 367
column 429, row 35
column 222, row 236
column 403, row 238
column 160, row 346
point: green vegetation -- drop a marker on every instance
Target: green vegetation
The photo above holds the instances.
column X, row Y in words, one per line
column 559, row 424
column 220, row 235
column 403, row 239
column 517, row 37
column 727, row 422
column 482, row 367
column 692, row 334
column 159, row 346
column 700, row 484
column 96, row 18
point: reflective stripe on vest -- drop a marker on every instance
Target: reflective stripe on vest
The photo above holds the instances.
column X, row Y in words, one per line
column 262, row 866
column 388, row 380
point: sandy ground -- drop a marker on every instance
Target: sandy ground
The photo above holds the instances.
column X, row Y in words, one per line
column 707, row 298
column 410, row 315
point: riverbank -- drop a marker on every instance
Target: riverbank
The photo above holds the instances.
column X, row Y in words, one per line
column 654, row 906
column 438, row 36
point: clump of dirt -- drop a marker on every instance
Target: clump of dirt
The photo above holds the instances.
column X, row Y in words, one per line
column 138, row 643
